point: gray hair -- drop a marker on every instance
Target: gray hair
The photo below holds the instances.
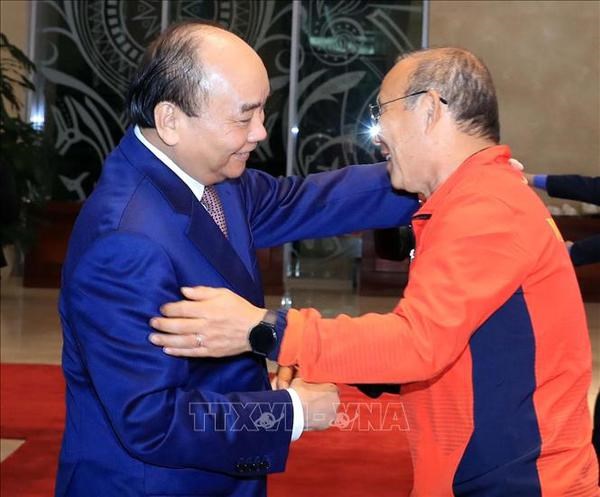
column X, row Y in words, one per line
column 463, row 80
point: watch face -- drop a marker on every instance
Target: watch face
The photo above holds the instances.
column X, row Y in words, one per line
column 262, row 338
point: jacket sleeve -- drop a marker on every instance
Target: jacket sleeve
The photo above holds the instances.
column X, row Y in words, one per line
column 574, row 187
column 324, row 204
column 157, row 413
column 586, row 251
column 476, row 262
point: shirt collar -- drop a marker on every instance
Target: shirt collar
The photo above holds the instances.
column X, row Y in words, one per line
column 194, row 185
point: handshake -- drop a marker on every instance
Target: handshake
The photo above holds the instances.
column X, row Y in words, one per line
column 320, row 401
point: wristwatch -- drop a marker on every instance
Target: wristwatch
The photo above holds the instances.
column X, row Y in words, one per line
column 262, row 337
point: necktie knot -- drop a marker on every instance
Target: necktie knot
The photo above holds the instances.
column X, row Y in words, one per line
column 212, row 203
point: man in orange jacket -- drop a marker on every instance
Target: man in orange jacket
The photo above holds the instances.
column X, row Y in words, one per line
column 490, row 340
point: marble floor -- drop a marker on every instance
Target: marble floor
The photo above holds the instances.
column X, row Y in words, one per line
column 30, row 328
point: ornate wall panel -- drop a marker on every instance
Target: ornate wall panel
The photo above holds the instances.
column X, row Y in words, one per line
column 87, row 50
column 346, row 48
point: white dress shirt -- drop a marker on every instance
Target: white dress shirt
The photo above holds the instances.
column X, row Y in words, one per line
column 193, row 184
column 198, row 190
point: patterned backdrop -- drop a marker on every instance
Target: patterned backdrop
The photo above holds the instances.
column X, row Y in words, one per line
column 87, row 50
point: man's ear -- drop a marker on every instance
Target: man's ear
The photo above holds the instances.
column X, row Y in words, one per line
column 433, row 108
column 166, row 120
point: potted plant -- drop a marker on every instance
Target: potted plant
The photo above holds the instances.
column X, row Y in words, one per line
column 25, row 177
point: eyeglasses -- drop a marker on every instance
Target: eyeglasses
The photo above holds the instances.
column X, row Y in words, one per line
column 375, row 109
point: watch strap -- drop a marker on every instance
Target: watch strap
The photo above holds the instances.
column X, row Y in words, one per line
column 270, row 317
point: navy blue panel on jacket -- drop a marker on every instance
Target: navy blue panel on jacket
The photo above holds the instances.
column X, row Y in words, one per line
column 503, row 386
column 140, row 422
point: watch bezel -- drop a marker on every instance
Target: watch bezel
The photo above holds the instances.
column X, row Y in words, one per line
column 259, row 335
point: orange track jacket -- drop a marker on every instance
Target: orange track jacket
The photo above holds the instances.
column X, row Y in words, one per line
column 490, row 343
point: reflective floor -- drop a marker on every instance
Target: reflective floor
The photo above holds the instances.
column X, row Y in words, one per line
column 30, row 328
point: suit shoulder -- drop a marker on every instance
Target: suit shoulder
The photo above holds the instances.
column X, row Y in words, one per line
column 116, row 186
column 115, row 253
column 123, row 200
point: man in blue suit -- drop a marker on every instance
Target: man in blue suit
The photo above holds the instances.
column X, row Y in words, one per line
column 175, row 207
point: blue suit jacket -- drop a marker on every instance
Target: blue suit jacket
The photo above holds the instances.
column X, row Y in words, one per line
column 140, row 422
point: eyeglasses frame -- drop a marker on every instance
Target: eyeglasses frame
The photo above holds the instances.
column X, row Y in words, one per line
column 375, row 109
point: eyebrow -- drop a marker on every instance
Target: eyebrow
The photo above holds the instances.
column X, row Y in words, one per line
column 248, row 107
column 255, row 105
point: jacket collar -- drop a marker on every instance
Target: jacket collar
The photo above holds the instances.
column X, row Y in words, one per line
column 201, row 230
column 172, row 187
column 496, row 154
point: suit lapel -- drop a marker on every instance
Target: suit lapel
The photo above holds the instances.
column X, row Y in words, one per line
column 237, row 223
column 208, row 238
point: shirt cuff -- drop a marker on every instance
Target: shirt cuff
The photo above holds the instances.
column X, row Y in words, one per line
column 298, row 426
column 280, row 326
column 540, row 180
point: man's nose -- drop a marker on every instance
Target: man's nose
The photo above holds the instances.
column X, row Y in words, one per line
column 258, row 131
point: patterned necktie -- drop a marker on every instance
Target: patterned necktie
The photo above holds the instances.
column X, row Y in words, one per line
column 212, row 203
